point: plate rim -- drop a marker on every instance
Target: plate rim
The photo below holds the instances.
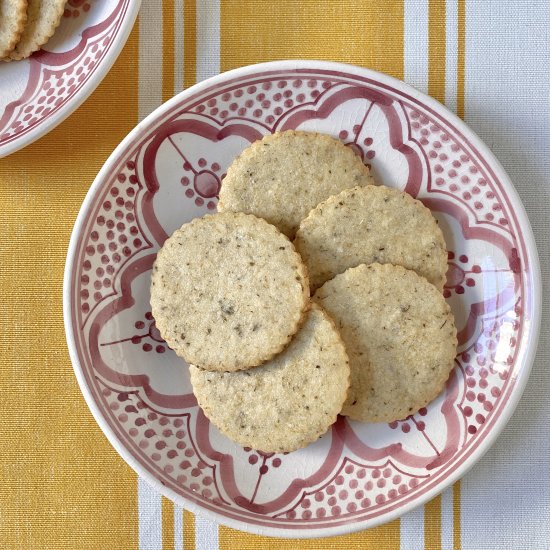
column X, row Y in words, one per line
column 85, row 91
column 530, row 346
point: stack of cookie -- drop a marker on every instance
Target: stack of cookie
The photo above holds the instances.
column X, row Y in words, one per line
column 271, row 366
column 26, row 25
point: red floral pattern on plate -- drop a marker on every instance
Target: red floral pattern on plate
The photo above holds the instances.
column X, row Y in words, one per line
column 171, row 172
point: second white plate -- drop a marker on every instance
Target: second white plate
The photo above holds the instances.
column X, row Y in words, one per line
column 38, row 93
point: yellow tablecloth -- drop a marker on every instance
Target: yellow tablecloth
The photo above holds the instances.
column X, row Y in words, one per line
column 62, row 485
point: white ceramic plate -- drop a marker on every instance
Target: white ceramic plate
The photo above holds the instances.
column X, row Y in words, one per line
column 169, row 170
column 38, row 93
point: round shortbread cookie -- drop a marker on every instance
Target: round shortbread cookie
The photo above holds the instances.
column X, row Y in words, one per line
column 371, row 224
column 400, row 337
column 228, row 291
column 286, row 403
column 43, row 17
column 283, row 176
column 13, row 15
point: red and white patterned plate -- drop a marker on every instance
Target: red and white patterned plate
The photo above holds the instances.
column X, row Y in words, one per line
column 169, row 170
column 38, row 93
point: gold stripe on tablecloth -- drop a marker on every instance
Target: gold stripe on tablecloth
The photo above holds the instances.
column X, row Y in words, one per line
column 63, row 485
column 456, row 517
column 368, row 34
column 167, row 524
column 432, row 524
column 385, row 537
column 189, row 42
column 188, row 530
column 436, row 49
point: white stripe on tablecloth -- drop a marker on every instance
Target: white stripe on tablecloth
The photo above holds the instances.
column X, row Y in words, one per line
column 178, row 527
column 206, row 534
column 150, row 58
column 451, row 79
column 506, row 497
column 451, row 53
column 416, row 43
column 149, row 517
column 416, row 74
column 208, row 39
column 412, row 530
column 447, row 517
column 178, row 46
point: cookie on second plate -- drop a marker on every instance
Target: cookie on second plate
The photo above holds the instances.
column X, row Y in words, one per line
column 371, row 224
column 43, row 17
column 400, row 337
column 228, row 291
column 283, row 176
column 13, row 14
column 288, row 402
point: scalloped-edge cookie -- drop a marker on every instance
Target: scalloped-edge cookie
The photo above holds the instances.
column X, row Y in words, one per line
column 283, row 176
column 228, row 291
column 286, row 403
column 13, row 15
column 373, row 224
column 43, row 17
column 400, row 336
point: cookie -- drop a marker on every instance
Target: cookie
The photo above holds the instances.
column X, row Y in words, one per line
column 43, row 17
column 400, row 337
column 283, row 176
column 286, row 403
column 364, row 225
column 13, row 15
column 228, row 291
